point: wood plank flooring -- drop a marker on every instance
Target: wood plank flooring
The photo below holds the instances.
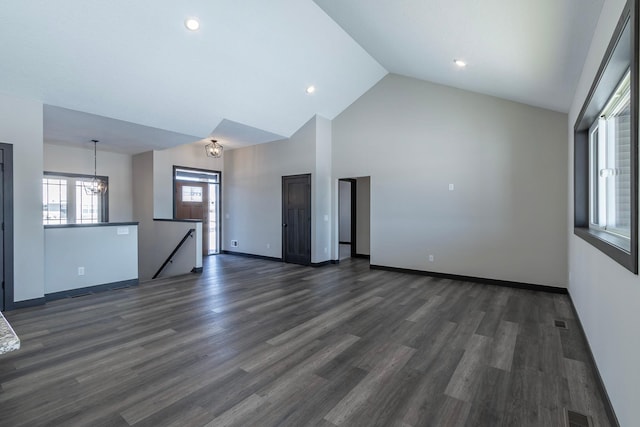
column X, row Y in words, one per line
column 261, row 343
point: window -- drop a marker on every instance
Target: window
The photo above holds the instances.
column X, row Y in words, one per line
column 606, row 149
column 191, row 194
column 54, row 201
column 610, row 169
column 65, row 201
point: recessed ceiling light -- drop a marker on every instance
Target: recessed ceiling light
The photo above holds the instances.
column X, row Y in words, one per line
column 192, row 24
column 311, row 89
column 460, row 63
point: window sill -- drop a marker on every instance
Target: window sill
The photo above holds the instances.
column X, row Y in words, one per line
column 93, row 224
column 615, row 247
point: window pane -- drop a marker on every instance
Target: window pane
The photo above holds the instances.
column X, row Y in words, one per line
column 54, row 201
column 87, row 211
column 619, row 203
column 191, row 194
column 194, row 176
column 594, row 176
column 610, row 156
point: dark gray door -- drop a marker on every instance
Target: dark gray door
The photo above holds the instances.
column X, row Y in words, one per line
column 6, row 226
column 2, row 293
column 296, row 219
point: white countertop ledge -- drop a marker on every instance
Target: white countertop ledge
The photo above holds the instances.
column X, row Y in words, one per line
column 9, row 341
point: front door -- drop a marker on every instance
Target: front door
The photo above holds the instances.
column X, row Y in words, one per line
column 197, row 196
column 192, row 202
column 296, row 219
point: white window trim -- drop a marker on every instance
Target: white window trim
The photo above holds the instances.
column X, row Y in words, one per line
column 600, row 156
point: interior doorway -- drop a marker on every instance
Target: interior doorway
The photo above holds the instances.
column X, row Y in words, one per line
column 354, row 217
column 347, row 208
column 197, row 196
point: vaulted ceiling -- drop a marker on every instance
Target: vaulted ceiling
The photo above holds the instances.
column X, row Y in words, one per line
column 103, row 68
column 529, row 51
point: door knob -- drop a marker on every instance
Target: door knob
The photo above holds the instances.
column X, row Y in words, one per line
column 284, row 225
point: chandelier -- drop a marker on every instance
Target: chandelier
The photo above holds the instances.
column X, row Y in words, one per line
column 94, row 185
column 214, row 149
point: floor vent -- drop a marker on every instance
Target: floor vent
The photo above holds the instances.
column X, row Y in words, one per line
column 560, row 324
column 576, row 419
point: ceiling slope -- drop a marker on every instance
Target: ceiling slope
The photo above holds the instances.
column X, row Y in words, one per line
column 526, row 51
column 75, row 128
column 136, row 62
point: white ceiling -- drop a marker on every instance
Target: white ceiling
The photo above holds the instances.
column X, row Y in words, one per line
column 130, row 74
column 69, row 127
column 135, row 61
column 76, row 128
column 529, row 51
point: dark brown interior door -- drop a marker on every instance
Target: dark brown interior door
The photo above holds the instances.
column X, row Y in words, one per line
column 2, row 302
column 296, row 219
column 192, row 202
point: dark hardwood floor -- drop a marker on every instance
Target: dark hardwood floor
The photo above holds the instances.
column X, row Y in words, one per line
column 261, row 343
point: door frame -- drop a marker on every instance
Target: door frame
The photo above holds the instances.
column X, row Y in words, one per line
column 354, row 187
column 7, row 207
column 173, row 191
column 283, row 218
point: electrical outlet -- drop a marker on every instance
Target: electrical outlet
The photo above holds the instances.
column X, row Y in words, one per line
column 451, row 187
column 268, row 245
column 430, row 258
column 325, row 250
column 234, row 243
column 80, row 271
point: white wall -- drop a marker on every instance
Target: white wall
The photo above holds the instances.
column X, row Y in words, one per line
column 252, row 198
column 164, row 238
column 109, row 254
column 605, row 294
column 321, row 223
column 363, row 215
column 344, row 209
column 507, row 216
column 118, row 167
column 142, row 186
column 153, row 198
column 189, row 155
column 21, row 126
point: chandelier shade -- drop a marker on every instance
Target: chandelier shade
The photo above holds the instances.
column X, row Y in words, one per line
column 214, row 149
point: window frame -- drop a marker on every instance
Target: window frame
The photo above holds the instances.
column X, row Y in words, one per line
column 103, row 214
column 621, row 55
column 601, row 147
